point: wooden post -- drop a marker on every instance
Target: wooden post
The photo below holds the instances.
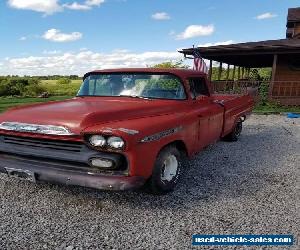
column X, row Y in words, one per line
column 233, row 73
column 220, row 72
column 227, row 73
column 243, row 72
column 275, row 58
column 247, row 72
column 239, row 73
column 210, row 70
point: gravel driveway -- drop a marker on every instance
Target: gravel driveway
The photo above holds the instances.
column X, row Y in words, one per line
column 247, row 187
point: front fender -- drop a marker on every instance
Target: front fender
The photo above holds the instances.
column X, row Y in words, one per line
column 144, row 138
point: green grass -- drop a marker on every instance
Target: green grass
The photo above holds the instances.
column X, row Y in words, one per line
column 57, row 92
column 9, row 102
column 55, row 89
column 270, row 108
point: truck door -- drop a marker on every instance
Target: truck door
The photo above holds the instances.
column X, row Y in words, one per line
column 209, row 114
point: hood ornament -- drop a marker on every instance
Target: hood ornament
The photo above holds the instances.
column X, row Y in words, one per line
column 35, row 128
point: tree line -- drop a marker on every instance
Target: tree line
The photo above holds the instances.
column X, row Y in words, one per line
column 49, row 77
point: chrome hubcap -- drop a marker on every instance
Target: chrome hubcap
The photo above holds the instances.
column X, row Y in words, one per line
column 169, row 168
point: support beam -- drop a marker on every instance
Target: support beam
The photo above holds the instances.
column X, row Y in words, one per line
column 210, row 70
column 220, row 72
column 233, row 73
column 247, row 73
column 227, row 73
column 243, row 72
column 239, row 73
column 275, row 58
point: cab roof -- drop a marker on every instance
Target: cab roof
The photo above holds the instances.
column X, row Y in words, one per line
column 177, row 72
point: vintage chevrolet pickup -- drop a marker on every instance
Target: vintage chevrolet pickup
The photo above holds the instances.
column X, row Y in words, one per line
column 125, row 129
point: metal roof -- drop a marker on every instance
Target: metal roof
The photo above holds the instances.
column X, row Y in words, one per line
column 250, row 54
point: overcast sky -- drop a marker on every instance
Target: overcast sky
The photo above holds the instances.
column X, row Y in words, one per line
column 41, row 37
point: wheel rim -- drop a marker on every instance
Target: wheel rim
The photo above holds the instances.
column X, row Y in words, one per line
column 170, row 168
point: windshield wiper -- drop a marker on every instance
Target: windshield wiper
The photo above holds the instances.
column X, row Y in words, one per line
column 136, row 96
column 131, row 96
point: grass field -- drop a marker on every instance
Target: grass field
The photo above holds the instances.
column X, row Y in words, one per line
column 57, row 92
column 270, row 108
column 55, row 89
column 9, row 102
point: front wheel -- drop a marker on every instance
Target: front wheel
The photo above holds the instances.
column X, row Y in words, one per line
column 166, row 171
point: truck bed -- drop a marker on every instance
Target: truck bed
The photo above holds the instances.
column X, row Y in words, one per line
column 235, row 106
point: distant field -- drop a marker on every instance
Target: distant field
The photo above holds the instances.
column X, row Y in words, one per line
column 57, row 92
column 9, row 102
column 54, row 81
column 55, row 89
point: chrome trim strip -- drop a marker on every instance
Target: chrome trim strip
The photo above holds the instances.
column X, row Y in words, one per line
column 35, row 128
column 129, row 131
column 158, row 136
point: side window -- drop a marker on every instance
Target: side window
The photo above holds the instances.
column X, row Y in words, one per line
column 198, row 87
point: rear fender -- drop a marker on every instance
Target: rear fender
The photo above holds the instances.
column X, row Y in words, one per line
column 234, row 110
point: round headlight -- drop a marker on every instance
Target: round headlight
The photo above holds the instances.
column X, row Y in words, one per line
column 97, row 140
column 115, row 142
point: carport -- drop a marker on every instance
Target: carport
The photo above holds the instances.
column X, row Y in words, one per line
column 282, row 55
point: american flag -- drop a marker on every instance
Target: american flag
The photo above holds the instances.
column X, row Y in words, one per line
column 199, row 63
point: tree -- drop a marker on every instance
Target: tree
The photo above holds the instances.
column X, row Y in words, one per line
column 171, row 65
column 19, row 86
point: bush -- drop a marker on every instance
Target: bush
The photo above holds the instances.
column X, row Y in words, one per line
column 63, row 81
column 4, row 88
column 15, row 86
column 33, row 90
column 12, row 86
column 263, row 77
column 33, row 86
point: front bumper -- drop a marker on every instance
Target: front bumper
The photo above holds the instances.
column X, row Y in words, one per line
column 50, row 172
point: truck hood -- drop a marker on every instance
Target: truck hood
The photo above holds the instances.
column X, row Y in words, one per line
column 80, row 113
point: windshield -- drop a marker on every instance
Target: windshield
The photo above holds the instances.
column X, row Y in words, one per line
column 160, row 86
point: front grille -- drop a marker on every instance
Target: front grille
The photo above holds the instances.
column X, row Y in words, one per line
column 56, row 154
column 44, row 144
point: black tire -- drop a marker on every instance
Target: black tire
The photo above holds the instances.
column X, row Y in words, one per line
column 157, row 184
column 236, row 132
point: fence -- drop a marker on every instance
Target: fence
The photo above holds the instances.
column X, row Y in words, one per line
column 285, row 92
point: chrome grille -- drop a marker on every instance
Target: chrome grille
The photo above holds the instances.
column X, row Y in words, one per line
column 43, row 144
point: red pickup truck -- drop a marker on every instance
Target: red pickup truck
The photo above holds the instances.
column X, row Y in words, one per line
column 126, row 128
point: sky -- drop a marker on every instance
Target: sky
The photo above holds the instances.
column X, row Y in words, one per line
column 45, row 37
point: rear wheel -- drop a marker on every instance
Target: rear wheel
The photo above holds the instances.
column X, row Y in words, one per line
column 166, row 171
column 236, row 132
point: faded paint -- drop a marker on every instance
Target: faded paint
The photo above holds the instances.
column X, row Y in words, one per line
column 202, row 121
